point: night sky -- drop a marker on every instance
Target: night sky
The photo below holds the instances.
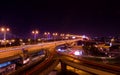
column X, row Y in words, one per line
column 93, row 18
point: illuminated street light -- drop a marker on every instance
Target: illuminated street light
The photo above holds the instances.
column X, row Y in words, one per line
column 62, row 36
column 35, row 32
column 5, row 30
column 55, row 35
column 47, row 35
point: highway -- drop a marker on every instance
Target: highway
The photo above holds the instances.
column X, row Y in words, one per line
column 8, row 54
column 87, row 67
column 52, row 58
column 13, row 51
column 90, row 66
column 38, row 68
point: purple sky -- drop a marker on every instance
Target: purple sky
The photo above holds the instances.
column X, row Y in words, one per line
column 94, row 18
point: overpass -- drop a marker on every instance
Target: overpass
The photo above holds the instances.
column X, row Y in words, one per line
column 51, row 61
column 91, row 67
column 7, row 54
column 15, row 51
column 81, row 64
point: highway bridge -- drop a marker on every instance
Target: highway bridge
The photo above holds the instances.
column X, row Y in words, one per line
column 90, row 66
column 52, row 58
column 13, row 53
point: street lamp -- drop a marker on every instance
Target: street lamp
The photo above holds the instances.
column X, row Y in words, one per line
column 47, row 35
column 54, row 35
column 62, row 36
column 35, row 32
column 5, row 30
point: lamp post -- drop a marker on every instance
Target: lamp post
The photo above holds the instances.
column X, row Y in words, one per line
column 55, row 35
column 5, row 30
column 47, row 35
column 62, row 36
column 35, row 32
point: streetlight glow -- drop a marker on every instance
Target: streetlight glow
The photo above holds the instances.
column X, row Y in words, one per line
column 35, row 32
column 2, row 29
column 47, row 35
column 55, row 34
column 8, row 29
column 5, row 30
